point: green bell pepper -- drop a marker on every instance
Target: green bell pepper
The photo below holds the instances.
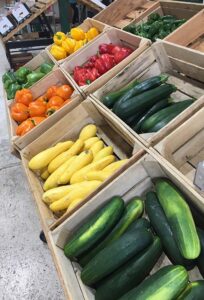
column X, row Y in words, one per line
column 8, row 78
column 21, row 74
column 46, row 68
column 33, row 78
column 12, row 89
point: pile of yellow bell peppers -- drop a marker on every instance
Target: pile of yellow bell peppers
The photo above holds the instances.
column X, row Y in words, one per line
column 64, row 46
column 74, row 169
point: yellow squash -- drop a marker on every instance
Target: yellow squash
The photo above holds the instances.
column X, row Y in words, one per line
column 97, row 147
column 87, row 132
column 42, row 159
column 60, row 159
column 103, row 153
column 116, row 165
column 52, row 180
column 80, row 175
column 88, row 143
column 81, row 193
column 74, row 204
column 99, row 175
column 57, row 193
column 45, row 174
column 81, row 161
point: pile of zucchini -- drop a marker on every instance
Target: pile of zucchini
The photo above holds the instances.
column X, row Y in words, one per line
column 156, row 27
column 117, row 248
column 146, row 106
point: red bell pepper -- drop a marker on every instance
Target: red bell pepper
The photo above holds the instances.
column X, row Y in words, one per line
column 122, row 54
column 108, row 60
column 85, row 76
column 100, row 66
column 106, row 48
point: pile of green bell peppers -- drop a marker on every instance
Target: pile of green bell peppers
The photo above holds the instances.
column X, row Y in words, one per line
column 23, row 78
column 156, row 27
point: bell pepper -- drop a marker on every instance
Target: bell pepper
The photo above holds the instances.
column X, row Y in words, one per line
column 37, row 120
column 8, row 78
column 59, row 37
column 51, row 110
column 92, row 33
column 100, row 66
column 46, row 68
column 122, row 54
column 85, row 76
column 106, row 48
column 24, row 127
column 58, row 52
column 91, row 62
column 37, row 109
column 19, row 112
column 64, row 91
column 12, row 89
column 24, row 96
column 78, row 45
column 33, row 78
column 21, row 74
column 77, row 34
column 69, row 44
column 109, row 61
column 55, row 101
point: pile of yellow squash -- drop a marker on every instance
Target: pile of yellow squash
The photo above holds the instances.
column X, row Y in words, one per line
column 73, row 169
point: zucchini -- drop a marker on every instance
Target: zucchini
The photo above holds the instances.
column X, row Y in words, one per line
column 133, row 211
column 95, row 228
column 144, row 86
column 130, row 274
column 115, row 255
column 163, row 117
column 155, row 108
column 143, row 101
column 200, row 261
column 161, row 227
column 194, row 291
column 140, row 223
column 179, row 218
column 166, row 284
column 111, row 98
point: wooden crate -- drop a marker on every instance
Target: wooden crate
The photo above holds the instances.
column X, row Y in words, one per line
column 86, row 25
column 69, row 128
column 184, row 71
column 191, row 34
column 135, row 181
column 119, row 15
column 184, row 148
column 111, row 35
column 54, row 78
column 181, row 10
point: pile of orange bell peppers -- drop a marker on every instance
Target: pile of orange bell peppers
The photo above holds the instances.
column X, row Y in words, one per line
column 28, row 112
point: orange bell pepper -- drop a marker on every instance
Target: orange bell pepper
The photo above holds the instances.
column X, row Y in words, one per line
column 24, row 127
column 19, row 112
column 55, row 101
column 37, row 109
column 42, row 99
column 24, row 96
column 64, row 91
column 37, row 120
column 66, row 102
column 51, row 110
column 51, row 91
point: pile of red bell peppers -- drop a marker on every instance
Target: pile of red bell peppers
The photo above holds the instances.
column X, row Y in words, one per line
column 109, row 55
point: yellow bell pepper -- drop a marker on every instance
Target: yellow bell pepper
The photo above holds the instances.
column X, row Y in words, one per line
column 69, row 45
column 77, row 34
column 59, row 37
column 92, row 33
column 78, row 45
column 58, row 52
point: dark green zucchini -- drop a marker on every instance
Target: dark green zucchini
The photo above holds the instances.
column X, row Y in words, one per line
column 161, row 227
column 115, row 255
column 130, row 274
column 132, row 211
column 200, row 260
column 142, row 87
column 95, row 228
column 111, row 98
column 143, row 101
column 155, row 108
column 165, row 284
column 163, row 117
column 194, row 291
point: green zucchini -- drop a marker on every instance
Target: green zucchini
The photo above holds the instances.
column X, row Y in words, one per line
column 161, row 227
column 115, row 255
column 166, row 284
column 95, row 228
column 144, row 86
column 179, row 218
column 130, row 274
column 200, row 261
column 111, row 98
column 142, row 101
column 193, row 291
column 133, row 211
column 155, row 108
column 163, row 117
column 140, row 223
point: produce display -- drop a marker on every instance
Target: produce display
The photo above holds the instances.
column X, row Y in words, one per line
column 74, row 169
column 28, row 112
column 23, row 78
column 156, row 27
column 65, row 45
column 146, row 106
column 108, row 56
column 117, row 249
